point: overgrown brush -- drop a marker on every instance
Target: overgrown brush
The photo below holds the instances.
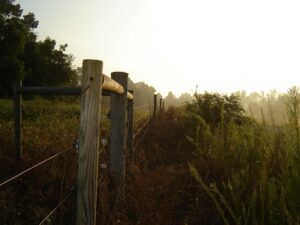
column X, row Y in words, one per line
column 243, row 172
column 255, row 179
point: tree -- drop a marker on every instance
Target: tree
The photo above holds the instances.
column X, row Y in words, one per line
column 170, row 99
column 50, row 66
column 215, row 108
column 14, row 32
column 143, row 93
column 184, row 98
column 22, row 57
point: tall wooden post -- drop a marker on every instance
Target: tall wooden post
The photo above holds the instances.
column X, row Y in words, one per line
column 154, row 106
column 163, row 105
column 118, row 131
column 160, row 104
column 18, row 120
column 130, row 126
column 90, row 111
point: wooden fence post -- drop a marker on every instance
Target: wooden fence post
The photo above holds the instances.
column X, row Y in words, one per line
column 154, row 106
column 160, row 104
column 90, row 112
column 18, row 120
column 130, row 126
column 118, row 131
column 163, row 105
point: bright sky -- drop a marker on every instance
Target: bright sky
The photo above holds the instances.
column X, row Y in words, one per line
column 174, row 45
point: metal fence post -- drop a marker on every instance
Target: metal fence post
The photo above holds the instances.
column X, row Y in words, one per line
column 118, row 131
column 90, row 111
column 130, row 126
column 18, row 120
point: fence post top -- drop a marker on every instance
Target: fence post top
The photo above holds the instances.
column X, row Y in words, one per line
column 92, row 60
column 119, row 73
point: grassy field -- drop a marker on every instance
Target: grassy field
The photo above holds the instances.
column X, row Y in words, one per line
column 185, row 171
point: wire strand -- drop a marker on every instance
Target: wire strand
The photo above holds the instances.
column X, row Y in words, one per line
column 141, row 117
column 141, row 106
column 141, row 138
column 59, row 204
column 31, row 168
column 141, row 128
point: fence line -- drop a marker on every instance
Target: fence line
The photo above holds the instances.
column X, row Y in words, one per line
column 122, row 137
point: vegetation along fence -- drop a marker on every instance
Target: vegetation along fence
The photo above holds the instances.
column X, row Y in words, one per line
column 94, row 85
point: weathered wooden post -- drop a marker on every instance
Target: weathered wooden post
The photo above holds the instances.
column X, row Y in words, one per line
column 18, row 120
column 154, row 106
column 160, row 104
column 118, row 119
column 90, row 111
column 163, row 105
column 130, row 126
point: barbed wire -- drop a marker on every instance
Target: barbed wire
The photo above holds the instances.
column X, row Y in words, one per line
column 58, row 205
column 140, row 129
column 33, row 167
column 141, row 117
column 142, row 137
column 141, row 106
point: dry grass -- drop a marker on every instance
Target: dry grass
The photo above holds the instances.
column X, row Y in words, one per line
column 240, row 175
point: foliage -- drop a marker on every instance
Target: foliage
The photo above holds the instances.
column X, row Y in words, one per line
column 268, row 107
column 216, row 109
column 250, row 172
column 23, row 57
column 49, row 66
column 170, row 99
column 143, row 93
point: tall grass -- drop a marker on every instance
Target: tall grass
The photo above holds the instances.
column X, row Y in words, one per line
column 256, row 179
column 242, row 173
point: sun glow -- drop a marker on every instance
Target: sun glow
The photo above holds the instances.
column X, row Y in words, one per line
column 175, row 45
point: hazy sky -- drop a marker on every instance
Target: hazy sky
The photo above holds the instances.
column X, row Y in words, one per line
column 219, row 45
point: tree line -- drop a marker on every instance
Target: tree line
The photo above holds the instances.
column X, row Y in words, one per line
column 267, row 107
column 22, row 56
column 40, row 62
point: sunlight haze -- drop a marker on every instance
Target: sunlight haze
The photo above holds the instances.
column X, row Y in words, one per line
column 218, row 45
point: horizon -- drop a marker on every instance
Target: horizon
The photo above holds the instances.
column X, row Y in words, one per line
column 176, row 45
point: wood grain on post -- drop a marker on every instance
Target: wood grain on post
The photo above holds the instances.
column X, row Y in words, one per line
column 18, row 120
column 130, row 126
column 90, row 112
column 118, row 131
